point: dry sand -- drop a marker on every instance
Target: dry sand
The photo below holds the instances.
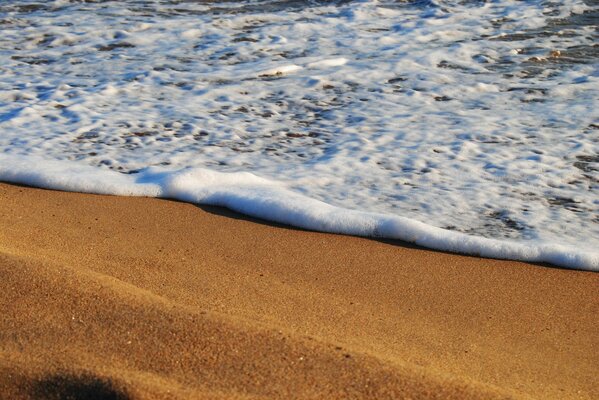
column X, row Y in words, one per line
column 131, row 298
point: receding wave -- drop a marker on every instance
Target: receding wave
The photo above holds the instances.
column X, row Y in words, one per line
column 251, row 195
column 478, row 118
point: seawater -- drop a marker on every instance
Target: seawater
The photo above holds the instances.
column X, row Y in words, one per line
column 469, row 126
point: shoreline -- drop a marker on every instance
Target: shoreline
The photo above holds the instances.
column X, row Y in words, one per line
column 264, row 200
column 155, row 298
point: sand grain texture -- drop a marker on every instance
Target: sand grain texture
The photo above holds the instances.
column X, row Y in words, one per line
column 132, row 298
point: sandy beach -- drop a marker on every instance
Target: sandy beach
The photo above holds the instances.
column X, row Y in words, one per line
column 134, row 298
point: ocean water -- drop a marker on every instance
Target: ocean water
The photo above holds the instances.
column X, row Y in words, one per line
column 469, row 126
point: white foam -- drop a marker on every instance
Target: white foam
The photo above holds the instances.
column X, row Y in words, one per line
column 457, row 114
column 283, row 69
column 258, row 197
column 333, row 62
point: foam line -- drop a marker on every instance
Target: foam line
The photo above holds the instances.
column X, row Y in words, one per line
column 261, row 198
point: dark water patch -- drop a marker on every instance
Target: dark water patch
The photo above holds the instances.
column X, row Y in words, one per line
column 88, row 136
column 24, row 8
column 160, row 68
column 574, row 21
column 176, row 8
column 296, row 135
column 144, row 133
column 8, row 21
column 507, row 221
column 587, row 163
column 277, row 6
column 528, row 90
column 570, row 26
column 46, row 40
column 33, row 60
column 118, row 45
column 583, row 54
column 397, row 80
column 398, row 4
column 565, row 202
column 450, row 65
column 244, row 39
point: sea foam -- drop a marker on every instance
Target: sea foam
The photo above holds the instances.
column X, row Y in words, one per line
column 477, row 118
column 261, row 198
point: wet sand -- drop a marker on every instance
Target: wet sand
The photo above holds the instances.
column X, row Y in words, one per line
column 133, row 298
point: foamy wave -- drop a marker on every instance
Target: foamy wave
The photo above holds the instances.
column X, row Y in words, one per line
column 477, row 117
column 251, row 195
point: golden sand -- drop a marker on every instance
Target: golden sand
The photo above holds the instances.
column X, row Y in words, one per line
column 135, row 298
